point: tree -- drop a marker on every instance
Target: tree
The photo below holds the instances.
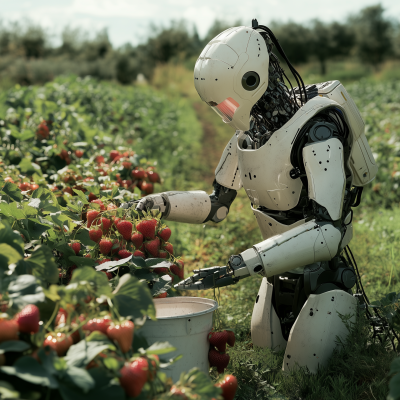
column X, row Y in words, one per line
column 373, row 35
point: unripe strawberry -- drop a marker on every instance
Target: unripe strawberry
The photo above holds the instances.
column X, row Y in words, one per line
column 28, row 319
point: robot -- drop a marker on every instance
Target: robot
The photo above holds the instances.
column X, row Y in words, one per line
column 302, row 157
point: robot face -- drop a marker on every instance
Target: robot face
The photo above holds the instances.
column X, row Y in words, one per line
column 231, row 74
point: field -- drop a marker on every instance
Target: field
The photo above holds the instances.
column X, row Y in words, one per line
column 172, row 132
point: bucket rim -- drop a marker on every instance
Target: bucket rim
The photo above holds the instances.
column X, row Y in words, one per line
column 188, row 299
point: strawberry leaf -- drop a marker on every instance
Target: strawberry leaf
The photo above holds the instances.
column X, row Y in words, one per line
column 160, row 348
column 14, row 345
column 12, row 191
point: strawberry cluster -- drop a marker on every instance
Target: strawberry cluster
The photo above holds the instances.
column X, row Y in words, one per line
column 217, row 356
column 23, row 183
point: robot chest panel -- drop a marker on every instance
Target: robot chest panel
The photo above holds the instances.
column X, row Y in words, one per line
column 265, row 174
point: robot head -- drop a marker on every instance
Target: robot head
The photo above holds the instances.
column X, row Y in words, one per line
column 231, row 74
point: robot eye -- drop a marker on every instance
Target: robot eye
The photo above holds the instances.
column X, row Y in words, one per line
column 250, row 80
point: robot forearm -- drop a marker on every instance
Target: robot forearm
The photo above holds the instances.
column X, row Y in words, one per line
column 305, row 244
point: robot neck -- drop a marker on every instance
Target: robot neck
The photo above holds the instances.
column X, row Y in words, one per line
column 276, row 106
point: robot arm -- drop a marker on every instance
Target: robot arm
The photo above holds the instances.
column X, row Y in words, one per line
column 196, row 207
column 318, row 239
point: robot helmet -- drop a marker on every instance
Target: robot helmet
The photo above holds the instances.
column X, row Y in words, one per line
column 232, row 73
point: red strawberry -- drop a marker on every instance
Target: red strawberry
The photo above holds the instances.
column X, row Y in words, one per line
column 138, row 173
column 34, row 186
column 218, row 339
column 105, row 246
column 147, row 228
column 139, row 253
column 153, row 176
column 182, row 269
column 114, row 154
column 164, row 234
column 28, row 319
column 61, row 317
column 24, row 186
column 124, row 254
column 79, row 153
column 125, row 229
column 109, row 275
column 229, row 386
column 42, row 131
column 161, row 296
column 8, row 330
column 152, row 247
column 122, row 334
column 111, row 206
column 161, row 271
column 115, row 221
column 76, row 247
column 104, row 223
column 100, row 159
column 92, row 197
column 219, row 360
column 103, row 261
column 231, row 338
column 175, row 269
column 100, row 203
column 91, row 216
column 137, row 239
column 169, row 248
column 134, row 376
column 95, row 235
column 147, row 187
column 98, row 324
column 163, row 254
column 58, row 342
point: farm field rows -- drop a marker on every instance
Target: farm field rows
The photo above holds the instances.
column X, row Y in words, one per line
column 52, row 138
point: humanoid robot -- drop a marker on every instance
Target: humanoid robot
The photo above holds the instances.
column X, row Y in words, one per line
column 302, row 157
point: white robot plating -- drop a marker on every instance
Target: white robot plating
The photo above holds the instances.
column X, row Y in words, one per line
column 302, row 157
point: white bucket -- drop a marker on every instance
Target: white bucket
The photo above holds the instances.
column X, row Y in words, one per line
column 185, row 323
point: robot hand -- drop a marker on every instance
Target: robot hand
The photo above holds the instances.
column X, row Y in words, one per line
column 208, row 278
column 152, row 202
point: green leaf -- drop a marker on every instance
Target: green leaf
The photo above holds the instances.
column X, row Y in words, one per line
column 8, row 392
column 394, row 387
column 25, row 290
column 81, row 196
column 110, row 265
column 43, row 264
column 37, row 228
column 80, row 377
column 12, row 190
column 8, row 255
column 161, row 284
column 11, row 210
column 28, row 210
column 26, row 166
column 139, row 262
column 82, row 261
column 395, row 366
column 80, row 354
column 14, row 345
column 83, row 237
column 88, row 274
column 112, row 363
column 157, row 263
column 133, row 298
column 160, row 348
column 28, row 369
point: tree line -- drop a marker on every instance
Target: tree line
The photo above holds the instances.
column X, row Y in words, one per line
column 368, row 35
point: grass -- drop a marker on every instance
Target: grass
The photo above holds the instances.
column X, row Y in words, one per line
column 360, row 369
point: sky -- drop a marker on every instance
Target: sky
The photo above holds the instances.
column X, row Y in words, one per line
column 130, row 20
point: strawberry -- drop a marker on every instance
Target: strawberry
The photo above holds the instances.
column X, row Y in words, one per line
column 164, row 234
column 139, row 253
column 163, row 254
column 69, row 191
column 147, row 228
column 61, row 317
column 218, row 339
column 161, row 296
column 114, row 154
column 58, row 342
column 28, row 319
column 168, row 247
column 24, row 186
column 182, row 269
column 231, row 338
column 100, row 203
column 34, row 186
column 122, row 334
column 98, row 324
column 161, row 271
column 137, row 239
column 92, row 197
column 134, row 376
column 125, row 229
column 105, row 246
column 104, row 223
column 229, row 386
column 109, row 275
column 138, row 173
column 95, row 235
column 147, row 187
column 178, row 393
column 79, row 153
column 100, row 159
column 153, row 176
column 153, row 366
column 219, row 360
column 124, row 254
column 116, row 246
column 127, row 164
column 8, row 179
column 8, row 330
column 111, row 206
column 91, row 216
column 42, row 131
column 152, row 247
column 175, row 269
column 76, row 247
column 103, row 261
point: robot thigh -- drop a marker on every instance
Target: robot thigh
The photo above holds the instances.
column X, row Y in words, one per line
column 312, row 338
column 265, row 325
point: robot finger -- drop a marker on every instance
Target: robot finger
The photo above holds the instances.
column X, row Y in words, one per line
column 185, row 285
